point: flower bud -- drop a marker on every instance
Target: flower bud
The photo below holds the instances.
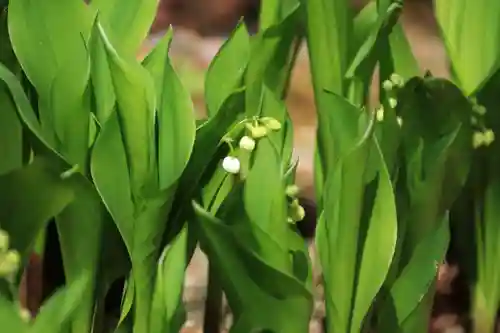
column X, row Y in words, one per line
column 271, row 123
column 478, row 139
column 397, row 80
column 247, row 143
column 292, row 190
column 393, row 102
column 258, row 132
column 379, row 113
column 4, row 241
column 298, row 213
column 400, row 121
column 231, row 164
column 25, row 315
column 9, row 263
column 387, row 85
column 489, row 137
column 479, row 109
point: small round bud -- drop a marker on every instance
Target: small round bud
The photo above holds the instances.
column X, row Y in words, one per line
column 4, row 241
column 393, row 102
column 298, row 213
column 387, row 85
column 400, row 121
column 478, row 139
column 271, row 123
column 9, row 263
column 489, row 137
column 379, row 113
column 479, row 109
column 292, row 190
column 258, row 132
column 25, row 315
column 231, row 164
column 247, row 143
column 397, row 80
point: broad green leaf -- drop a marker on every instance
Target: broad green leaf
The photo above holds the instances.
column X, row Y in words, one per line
column 134, row 90
column 226, row 70
column 11, row 134
column 329, row 31
column 205, row 152
column 337, row 234
column 238, row 268
column 24, row 109
column 79, row 228
column 168, row 312
column 414, row 280
column 175, row 117
column 10, row 318
column 471, row 33
column 30, row 197
column 273, row 52
column 48, row 36
column 57, row 312
column 379, row 246
column 127, row 23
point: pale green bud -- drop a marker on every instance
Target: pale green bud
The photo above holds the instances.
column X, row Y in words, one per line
column 379, row 113
column 478, row 139
column 258, row 132
column 4, row 241
column 489, row 137
column 479, row 109
column 9, row 263
column 292, row 190
column 400, row 121
column 25, row 315
column 247, row 143
column 298, row 213
column 393, row 102
column 271, row 123
column 397, row 80
column 387, row 85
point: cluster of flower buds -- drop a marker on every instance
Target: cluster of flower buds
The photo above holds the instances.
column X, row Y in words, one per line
column 483, row 138
column 394, row 82
column 379, row 115
column 257, row 129
column 296, row 212
column 10, row 260
column 391, row 87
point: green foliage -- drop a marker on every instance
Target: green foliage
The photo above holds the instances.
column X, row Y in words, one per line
column 110, row 149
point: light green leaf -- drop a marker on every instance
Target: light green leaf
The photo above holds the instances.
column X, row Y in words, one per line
column 134, row 90
column 56, row 313
column 30, row 196
column 10, row 318
column 127, row 23
column 175, row 116
column 471, row 33
column 226, row 70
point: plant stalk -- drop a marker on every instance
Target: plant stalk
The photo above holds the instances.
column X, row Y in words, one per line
column 212, row 321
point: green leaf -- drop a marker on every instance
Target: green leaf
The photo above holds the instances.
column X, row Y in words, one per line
column 243, row 273
column 126, row 22
column 175, row 116
column 30, row 196
column 56, row 313
column 415, row 279
column 10, row 318
column 168, row 311
column 337, row 234
column 134, row 90
column 378, row 248
column 329, row 31
column 226, row 70
column 471, row 33
column 49, row 36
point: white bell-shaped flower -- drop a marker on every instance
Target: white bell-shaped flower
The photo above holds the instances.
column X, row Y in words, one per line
column 247, row 143
column 231, row 164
